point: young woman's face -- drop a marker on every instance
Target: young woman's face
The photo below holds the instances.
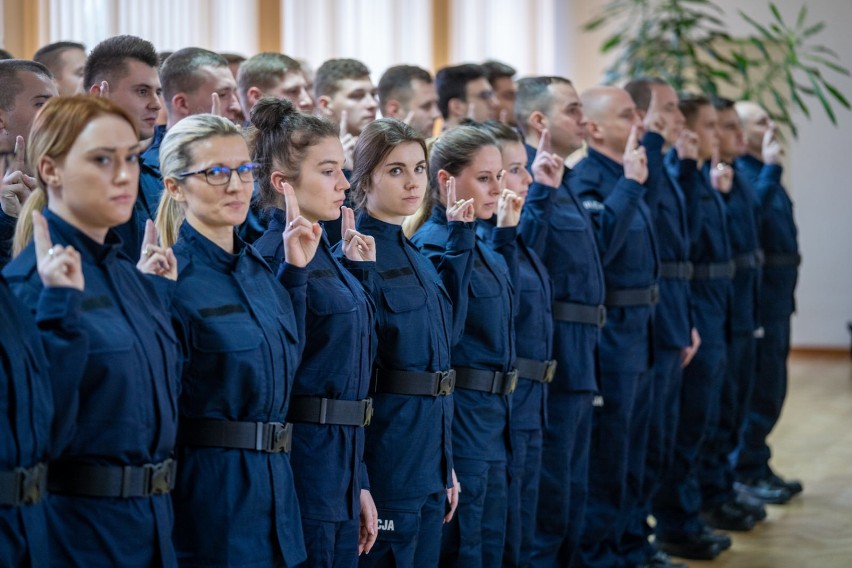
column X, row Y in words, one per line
column 398, row 184
column 480, row 181
column 321, row 187
column 211, row 207
column 94, row 186
column 518, row 179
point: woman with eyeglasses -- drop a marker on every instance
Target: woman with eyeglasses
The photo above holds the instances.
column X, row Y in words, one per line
column 465, row 163
column 242, row 334
column 115, row 422
column 302, row 153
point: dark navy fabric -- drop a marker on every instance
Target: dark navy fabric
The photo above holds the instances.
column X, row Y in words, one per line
column 35, row 355
column 328, row 460
column 242, row 335
column 7, row 233
column 331, row 544
column 124, row 411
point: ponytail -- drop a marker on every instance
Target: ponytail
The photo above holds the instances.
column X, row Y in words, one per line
column 170, row 216
column 37, row 201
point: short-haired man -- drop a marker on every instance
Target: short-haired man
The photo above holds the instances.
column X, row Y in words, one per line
column 24, row 88
column 272, row 75
column 66, row 60
column 464, row 92
column 500, row 76
column 124, row 68
column 406, row 92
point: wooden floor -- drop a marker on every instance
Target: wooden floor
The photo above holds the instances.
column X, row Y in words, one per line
column 812, row 442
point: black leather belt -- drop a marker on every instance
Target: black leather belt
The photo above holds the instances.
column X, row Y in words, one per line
column 414, row 382
column 270, row 437
column 579, row 313
column 633, row 297
column 87, row 480
column 753, row 259
column 316, row 410
column 535, row 370
column 676, row 270
column 23, row 486
column 714, row 271
column 782, row 260
column 494, row 382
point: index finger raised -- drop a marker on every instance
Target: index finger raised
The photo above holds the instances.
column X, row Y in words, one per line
column 291, row 204
column 451, row 192
column 20, row 153
column 544, row 141
column 41, row 235
column 632, row 140
column 344, row 116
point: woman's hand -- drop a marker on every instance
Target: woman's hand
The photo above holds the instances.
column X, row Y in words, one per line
column 301, row 238
column 155, row 259
column 58, row 266
column 356, row 247
column 458, row 209
column 509, row 205
column 453, row 497
column 369, row 528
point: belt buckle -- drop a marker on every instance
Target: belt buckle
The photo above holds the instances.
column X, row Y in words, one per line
column 368, row 411
column 280, row 438
column 510, row 381
column 601, row 316
column 447, row 382
column 160, row 477
column 550, row 371
column 31, row 484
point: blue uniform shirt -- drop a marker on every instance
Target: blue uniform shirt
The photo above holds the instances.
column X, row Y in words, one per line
column 124, row 411
column 242, row 334
column 337, row 362
column 481, row 423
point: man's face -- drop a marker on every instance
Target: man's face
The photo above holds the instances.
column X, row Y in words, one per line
column 617, row 118
column 423, row 107
column 294, row 88
column 138, row 92
column 69, row 74
column 481, row 103
column 667, row 103
column 18, row 120
column 358, row 98
column 704, row 126
column 731, row 143
column 505, row 91
column 755, row 123
column 565, row 119
column 215, row 80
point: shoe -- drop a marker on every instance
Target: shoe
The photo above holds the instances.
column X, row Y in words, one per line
column 720, row 538
column 762, row 489
column 728, row 517
column 693, row 547
column 794, row 486
column 750, row 505
column 661, row 560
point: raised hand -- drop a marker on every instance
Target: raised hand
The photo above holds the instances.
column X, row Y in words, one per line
column 369, row 525
column 635, row 160
column 58, row 266
column 356, row 247
column 17, row 186
column 654, row 119
column 347, row 140
column 509, row 205
column 408, row 118
column 547, row 168
column 721, row 174
column 687, row 145
column 155, row 259
column 772, row 152
column 301, row 238
column 216, row 105
column 458, row 209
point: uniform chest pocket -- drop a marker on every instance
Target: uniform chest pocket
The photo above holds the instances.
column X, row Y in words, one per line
column 325, row 300
column 107, row 328
column 483, row 284
column 404, row 299
column 222, row 336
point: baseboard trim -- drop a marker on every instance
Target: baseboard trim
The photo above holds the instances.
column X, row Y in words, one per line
column 815, row 351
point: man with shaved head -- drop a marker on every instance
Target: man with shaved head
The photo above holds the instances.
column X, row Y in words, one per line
column 761, row 165
column 611, row 185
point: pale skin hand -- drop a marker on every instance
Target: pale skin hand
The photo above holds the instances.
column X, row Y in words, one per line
column 721, row 175
column 301, row 238
column 153, row 258
column 654, row 119
column 772, row 152
column 547, row 167
column 216, row 105
column 687, row 145
column 453, row 497
column 687, row 353
column 635, row 160
column 508, row 206
column 458, row 209
column 58, row 266
column 17, row 186
column 347, row 140
column 369, row 529
column 356, row 246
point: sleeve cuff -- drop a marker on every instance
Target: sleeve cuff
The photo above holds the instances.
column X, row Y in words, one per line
column 653, row 141
column 462, row 236
column 502, row 236
column 60, row 304
column 292, row 276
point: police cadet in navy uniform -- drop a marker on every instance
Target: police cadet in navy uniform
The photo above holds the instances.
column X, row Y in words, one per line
column 329, row 407
column 677, row 504
column 761, row 166
column 466, row 163
column 111, row 476
column 242, row 334
column 408, row 448
column 554, row 224
column 535, row 364
column 675, row 340
column 39, row 359
column 611, row 187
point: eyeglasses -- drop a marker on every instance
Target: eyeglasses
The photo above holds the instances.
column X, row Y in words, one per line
column 221, row 175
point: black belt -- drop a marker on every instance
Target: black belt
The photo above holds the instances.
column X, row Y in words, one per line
column 782, row 260
column 23, row 486
column 676, row 270
column 270, row 437
column 414, row 382
column 316, row 410
column 633, row 297
column 579, row 313
column 714, row 271
column 494, row 382
column 753, row 259
column 535, row 370
column 87, row 480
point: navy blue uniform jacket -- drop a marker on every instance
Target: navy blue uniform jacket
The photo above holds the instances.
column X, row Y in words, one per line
column 486, row 309
column 242, row 335
column 328, row 460
column 124, row 411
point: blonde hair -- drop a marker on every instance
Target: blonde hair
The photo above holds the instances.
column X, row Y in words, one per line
column 55, row 129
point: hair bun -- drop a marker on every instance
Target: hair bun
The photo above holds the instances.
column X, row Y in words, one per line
column 268, row 113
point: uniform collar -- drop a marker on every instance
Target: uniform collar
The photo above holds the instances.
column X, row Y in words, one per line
column 210, row 251
column 377, row 228
column 439, row 214
column 90, row 250
column 151, row 156
column 606, row 162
